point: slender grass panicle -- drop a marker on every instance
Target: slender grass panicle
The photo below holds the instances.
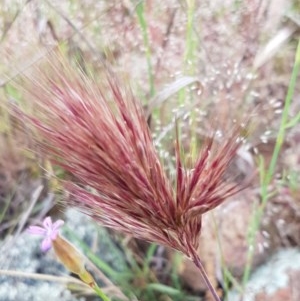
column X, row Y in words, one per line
column 98, row 133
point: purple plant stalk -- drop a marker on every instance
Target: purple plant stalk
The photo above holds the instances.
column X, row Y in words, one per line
column 98, row 133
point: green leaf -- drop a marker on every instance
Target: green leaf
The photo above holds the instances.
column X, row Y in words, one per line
column 164, row 289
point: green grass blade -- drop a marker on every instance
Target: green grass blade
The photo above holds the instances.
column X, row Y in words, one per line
column 267, row 177
column 143, row 24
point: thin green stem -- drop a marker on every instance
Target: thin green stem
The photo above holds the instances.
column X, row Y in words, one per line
column 189, row 46
column 284, row 119
column 190, row 39
column 266, row 177
column 100, row 293
column 143, row 24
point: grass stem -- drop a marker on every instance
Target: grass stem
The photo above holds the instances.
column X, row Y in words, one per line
column 143, row 24
column 197, row 261
column 99, row 292
column 267, row 175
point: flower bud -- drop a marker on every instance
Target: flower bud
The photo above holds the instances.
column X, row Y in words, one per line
column 72, row 259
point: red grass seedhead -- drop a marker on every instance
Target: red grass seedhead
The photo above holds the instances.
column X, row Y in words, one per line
column 99, row 134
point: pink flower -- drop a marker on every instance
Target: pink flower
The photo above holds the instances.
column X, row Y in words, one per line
column 49, row 231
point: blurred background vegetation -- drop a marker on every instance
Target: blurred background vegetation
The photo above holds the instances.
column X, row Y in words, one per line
column 191, row 59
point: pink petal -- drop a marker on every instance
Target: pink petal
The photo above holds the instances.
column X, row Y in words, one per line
column 57, row 224
column 46, row 244
column 53, row 234
column 36, row 230
column 47, row 222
